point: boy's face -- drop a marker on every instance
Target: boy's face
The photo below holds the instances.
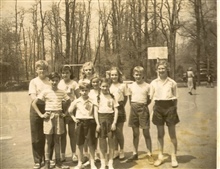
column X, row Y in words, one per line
column 138, row 76
column 41, row 71
column 162, row 71
column 54, row 82
column 66, row 74
column 114, row 75
column 84, row 92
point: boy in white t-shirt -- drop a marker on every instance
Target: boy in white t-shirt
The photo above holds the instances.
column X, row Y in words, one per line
column 139, row 115
column 86, row 125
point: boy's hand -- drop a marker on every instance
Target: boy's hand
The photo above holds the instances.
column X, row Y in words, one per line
column 45, row 115
column 76, row 120
column 98, row 128
column 113, row 128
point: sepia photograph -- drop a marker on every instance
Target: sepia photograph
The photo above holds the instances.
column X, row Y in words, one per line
column 109, row 84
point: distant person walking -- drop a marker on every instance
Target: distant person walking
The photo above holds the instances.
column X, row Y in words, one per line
column 210, row 80
column 190, row 76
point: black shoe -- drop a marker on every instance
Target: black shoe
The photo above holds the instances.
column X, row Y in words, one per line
column 60, row 165
column 132, row 158
column 85, row 159
column 47, row 164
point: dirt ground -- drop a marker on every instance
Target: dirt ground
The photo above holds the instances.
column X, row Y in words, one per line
column 196, row 132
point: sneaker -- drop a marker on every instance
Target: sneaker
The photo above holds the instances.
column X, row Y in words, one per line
column 158, row 162
column 132, row 158
column 87, row 163
column 78, row 167
column 121, row 155
column 36, row 166
column 74, row 158
column 116, row 154
column 150, row 159
column 103, row 164
column 174, row 162
column 52, row 164
column 93, row 166
column 110, row 164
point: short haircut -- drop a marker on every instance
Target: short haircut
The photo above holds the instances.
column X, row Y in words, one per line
column 84, row 85
column 41, row 63
column 164, row 63
column 54, row 75
column 138, row 69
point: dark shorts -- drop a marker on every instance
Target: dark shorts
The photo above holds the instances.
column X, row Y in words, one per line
column 121, row 113
column 86, row 129
column 165, row 112
column 139, row 116
column 106, row 120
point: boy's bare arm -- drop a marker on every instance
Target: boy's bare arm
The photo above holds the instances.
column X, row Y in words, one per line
column 34, row 104
column 70, row 111
column 148, row 99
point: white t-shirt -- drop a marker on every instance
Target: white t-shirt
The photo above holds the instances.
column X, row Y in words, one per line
column 69, row 88
column 139, row 92
column 163, row 90
column 36, row 85
column 106, row 104
column 119, row 90
column 93, row 94
column 84, row 108
column 53, row 99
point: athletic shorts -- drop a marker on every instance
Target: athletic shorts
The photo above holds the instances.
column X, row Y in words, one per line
column 121, row 113
column 139, row 116
column 85, row 130
column 105, row 121
column 165, row 111
column 54, row 124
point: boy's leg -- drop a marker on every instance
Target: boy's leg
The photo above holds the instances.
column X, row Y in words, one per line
column 172, row 133
column 80, row 156
column 63, row 144
column 147, row 138
column 48, row 143
column 148, row 142
column 160, row 139
column 92, row 156
column 72, row 136
column 57, row 145
column 136, row 134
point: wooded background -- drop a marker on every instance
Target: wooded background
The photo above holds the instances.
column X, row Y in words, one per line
column 109, row 33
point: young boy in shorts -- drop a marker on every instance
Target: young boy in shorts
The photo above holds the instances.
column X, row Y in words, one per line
column 53, row 117
column 86, row 125
column 139, row 114
column 164, row 92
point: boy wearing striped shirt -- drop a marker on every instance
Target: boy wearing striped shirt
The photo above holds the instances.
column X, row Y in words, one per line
column 53, row 117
